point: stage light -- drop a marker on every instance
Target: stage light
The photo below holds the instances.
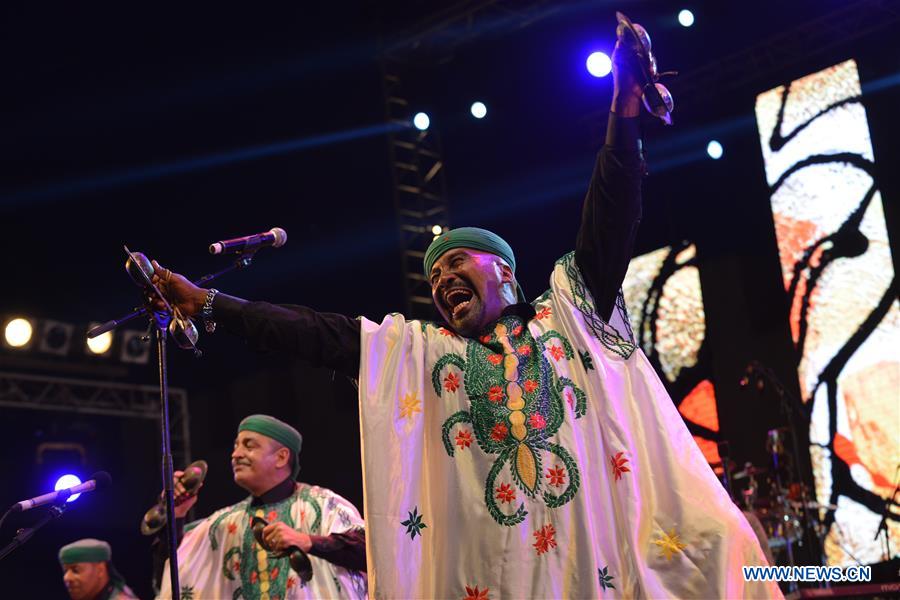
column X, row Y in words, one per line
column 134, row 349
column 715, row 150
column 56, row 338
column 421, row 121
column 599, row 64
column 437, row 230
column 67, row 481
column 479, row 110
column 18, row 332
column 100, row 344
column 686, row 18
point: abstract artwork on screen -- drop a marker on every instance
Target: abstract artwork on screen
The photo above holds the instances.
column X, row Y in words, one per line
column 844, row 313
column 665, row 307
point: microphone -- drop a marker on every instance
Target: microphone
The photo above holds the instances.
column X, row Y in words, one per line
column 98, row 481
column 275, row 237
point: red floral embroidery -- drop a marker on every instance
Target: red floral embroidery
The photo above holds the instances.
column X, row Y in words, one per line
column 618, row 464
column 499, row 432
column 232, row 528
column 254, row 576
column 530, row 385
column 476, row 594
column 445, row 331
column 570, row 398
column 464, row 438
column 545, row 537
column 271, row 516
column 556, row 476
column 495, row 394
column 495, row 359
column 485, row 338
column 236, row 567
column 275, row 573
column 518, row 330
column 291, row 582
column 302, row 515
column 524, row 349
column 451, row 382
column 506, row 493
column 537, row 421
column 557, row 353
column 543, row 313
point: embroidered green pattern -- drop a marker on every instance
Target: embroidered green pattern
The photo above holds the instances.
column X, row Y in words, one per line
column 603, row 331
column 214, row 528
column 227, row 566
column 515, row 407
column 605, row 579
column 307, row 496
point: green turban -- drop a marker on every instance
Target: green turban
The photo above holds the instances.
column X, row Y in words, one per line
column 475, row 238
column 279, row 431
column 86, row 550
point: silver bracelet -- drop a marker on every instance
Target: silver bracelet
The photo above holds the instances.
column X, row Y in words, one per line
column 206, row 311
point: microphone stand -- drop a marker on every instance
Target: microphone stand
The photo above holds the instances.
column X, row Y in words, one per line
column 789, row 405
column 23, row 535
column 159, row 320
column 882, row 526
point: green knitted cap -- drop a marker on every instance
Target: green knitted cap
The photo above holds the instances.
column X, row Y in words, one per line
column 86, row 550
column 279, row 431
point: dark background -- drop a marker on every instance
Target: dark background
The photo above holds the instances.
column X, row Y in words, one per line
column 127, row 125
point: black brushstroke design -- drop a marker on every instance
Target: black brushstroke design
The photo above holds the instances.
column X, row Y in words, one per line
column 847, row 241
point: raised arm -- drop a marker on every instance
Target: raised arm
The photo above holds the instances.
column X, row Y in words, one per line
column 322, row 339
column 612, row 207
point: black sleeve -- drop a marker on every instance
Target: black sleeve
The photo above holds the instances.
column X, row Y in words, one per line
column 611, row 214
column 322, row 339
column 346, row 550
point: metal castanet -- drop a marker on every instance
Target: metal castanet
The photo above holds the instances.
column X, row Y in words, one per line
column 155, row 518
column 657, row 98
column 298, row 558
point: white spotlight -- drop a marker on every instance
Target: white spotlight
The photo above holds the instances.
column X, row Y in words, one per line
column 18, row 332
column 686, row 18
column 100, row 344
column 437, row 230
column 715, row 150
column 599, row 64
column 479, row 110
column 421, row 121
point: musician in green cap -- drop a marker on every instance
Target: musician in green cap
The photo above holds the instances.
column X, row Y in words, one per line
column 88, row 572
column 516, row 449
column 219, row 557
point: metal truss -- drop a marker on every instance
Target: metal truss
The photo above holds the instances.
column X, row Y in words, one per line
column 434, row 38
column 130, row 401
column 417, row 166
column 419, row 192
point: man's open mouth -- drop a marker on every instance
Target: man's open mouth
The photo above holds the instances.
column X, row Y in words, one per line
column 458, row 300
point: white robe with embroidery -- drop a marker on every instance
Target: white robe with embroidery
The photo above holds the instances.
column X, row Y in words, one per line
column 219, row 558
column 541, row 461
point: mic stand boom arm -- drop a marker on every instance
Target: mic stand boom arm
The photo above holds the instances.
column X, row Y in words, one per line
column 23, row 535
column 243, row 261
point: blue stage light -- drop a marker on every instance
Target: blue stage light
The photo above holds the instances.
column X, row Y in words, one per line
column 479, row 110
column 686, row 18
column 715, row 150
column 67, row 481
column 421, row 121
column 599, row 64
